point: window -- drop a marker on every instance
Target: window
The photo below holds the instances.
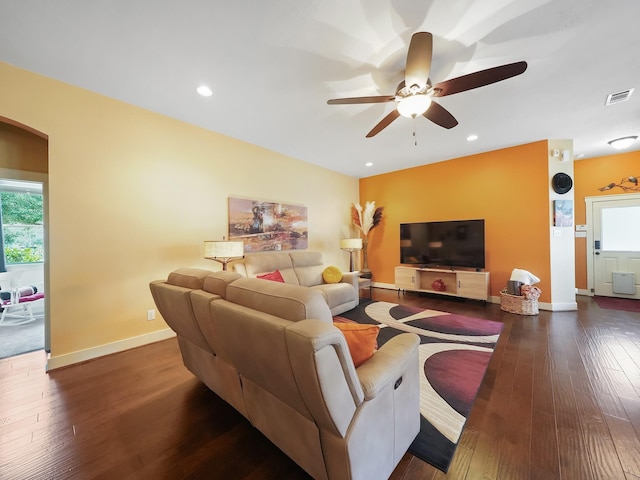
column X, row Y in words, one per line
column 22, row 229
column 621, row 229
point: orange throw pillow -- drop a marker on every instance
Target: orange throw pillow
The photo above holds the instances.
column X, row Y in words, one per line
column 276, row 276
column 362, row 340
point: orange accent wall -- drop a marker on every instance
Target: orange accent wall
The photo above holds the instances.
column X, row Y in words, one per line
column 509, row 188
column 590, row 175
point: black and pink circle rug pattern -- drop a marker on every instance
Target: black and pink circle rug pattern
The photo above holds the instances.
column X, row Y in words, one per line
column 454, row 352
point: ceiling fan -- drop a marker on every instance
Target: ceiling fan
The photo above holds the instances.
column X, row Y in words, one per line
column 415, row 93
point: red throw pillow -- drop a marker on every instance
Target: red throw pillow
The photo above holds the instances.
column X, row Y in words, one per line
column 362, row 340
column 276, row 276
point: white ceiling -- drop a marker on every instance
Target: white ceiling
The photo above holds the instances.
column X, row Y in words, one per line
column 273, row 64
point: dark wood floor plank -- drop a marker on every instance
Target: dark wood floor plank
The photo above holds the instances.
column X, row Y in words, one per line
column 400, row 472
column 572, row 449
column 622, row 386
column 611, row 404
column 459, row 466
column 485, row 460
column 628, row 355
column 604, row 460
column 544, row 446
column 559, row 401
column 543, row 459
column 627, row 444
column 542, row 378
column 515, row 445
column 632, row 411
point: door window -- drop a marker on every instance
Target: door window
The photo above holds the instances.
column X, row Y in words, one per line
column 620, row 229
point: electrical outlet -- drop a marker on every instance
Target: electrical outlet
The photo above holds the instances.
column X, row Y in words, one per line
column 151, row 314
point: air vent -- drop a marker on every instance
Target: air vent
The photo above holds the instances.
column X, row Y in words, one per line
column 619, row 97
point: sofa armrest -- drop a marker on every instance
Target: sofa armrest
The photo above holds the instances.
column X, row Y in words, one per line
column 397, row 357
column 351, row 277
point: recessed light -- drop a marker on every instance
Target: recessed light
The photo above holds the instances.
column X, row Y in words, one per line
column 580, row 155
column 472, row 137
column 622, row 142
column 204, row 91
column 368, row 164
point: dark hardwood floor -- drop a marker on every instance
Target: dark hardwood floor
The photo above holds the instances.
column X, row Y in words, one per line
column 561, row 399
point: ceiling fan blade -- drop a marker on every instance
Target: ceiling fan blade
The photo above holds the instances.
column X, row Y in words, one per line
column 384, row 123
column 478, row 79
column 440, row 116
column 419, row 59
column 376, row 99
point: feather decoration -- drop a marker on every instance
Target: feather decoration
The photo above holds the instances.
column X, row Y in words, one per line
column 367, row 218
column 377, row 216
column 356, row 215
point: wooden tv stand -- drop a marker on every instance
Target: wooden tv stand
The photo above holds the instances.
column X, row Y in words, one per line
column 458, row 283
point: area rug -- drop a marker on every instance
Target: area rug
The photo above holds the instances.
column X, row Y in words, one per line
column 454, row 354
column 19, row 339
column 613, row 303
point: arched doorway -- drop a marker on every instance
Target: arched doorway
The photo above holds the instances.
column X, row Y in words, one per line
column 24, row 163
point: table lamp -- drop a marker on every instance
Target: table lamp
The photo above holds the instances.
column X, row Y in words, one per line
column 351, row 245
column 223, row 251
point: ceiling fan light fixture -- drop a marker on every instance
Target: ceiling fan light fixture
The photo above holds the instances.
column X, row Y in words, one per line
column 414, row 105
column 622, row 142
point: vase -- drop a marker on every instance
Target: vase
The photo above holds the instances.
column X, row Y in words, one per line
column 364, row 271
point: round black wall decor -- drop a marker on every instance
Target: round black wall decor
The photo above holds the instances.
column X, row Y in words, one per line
column 561, row 183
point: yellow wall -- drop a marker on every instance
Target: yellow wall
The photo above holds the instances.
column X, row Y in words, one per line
column 590, row 175
column 509, row 188
column 133, row 194
column 21, row 149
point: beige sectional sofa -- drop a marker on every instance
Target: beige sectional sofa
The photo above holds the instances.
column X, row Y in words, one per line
column 303, row 268
column 271, row 351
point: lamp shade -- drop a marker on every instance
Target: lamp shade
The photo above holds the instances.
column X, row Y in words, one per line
column 351, row 244
column 214, row 249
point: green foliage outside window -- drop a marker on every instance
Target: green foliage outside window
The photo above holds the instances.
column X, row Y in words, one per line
column 22, row 227
column 22, row 255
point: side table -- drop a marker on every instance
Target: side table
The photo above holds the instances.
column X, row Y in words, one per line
column 364, row 283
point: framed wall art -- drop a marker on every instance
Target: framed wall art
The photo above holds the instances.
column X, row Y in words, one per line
column 563, row 213
column 267, row 226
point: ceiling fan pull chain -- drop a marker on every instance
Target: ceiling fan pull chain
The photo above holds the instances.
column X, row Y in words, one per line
column 415, row 137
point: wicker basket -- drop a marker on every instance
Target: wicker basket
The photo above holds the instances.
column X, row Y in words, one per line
column 518, row 304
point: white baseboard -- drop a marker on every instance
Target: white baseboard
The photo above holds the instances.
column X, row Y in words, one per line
column 389, row 286
column 67, row 359
column 561, row 307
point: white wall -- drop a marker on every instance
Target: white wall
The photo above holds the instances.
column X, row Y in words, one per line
column 561, row 239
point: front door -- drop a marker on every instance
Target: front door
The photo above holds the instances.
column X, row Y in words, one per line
column 615, row 245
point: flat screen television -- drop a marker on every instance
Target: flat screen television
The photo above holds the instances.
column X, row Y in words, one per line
column 456, row 243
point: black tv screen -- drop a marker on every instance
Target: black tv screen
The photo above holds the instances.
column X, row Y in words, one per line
column 457, row 243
